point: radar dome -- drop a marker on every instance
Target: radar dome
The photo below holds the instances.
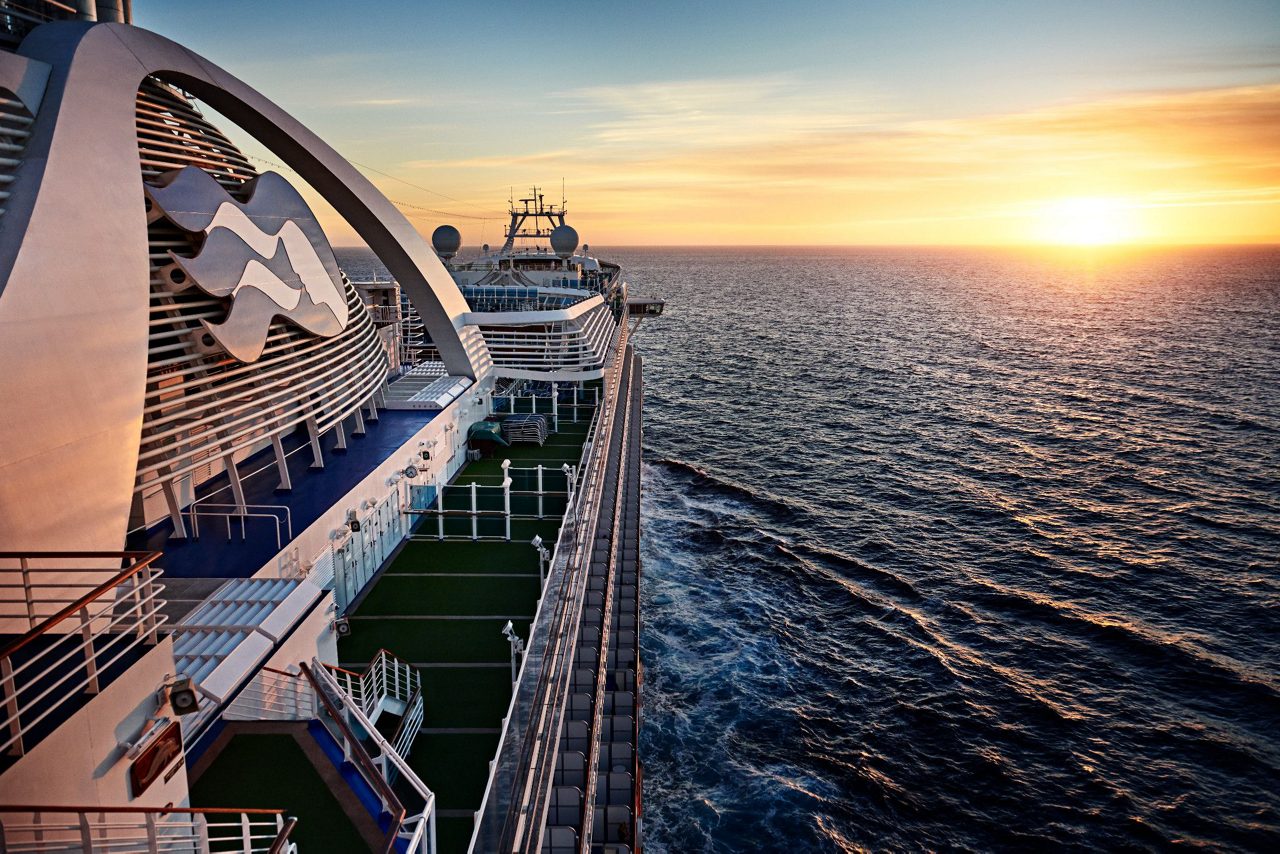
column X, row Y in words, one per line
column 446, row 240
column 564, row 239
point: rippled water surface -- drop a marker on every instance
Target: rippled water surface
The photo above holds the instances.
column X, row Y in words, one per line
column 961, row 549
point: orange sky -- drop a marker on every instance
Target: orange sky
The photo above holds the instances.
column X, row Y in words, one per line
column 861, row 123
column 1184, row 167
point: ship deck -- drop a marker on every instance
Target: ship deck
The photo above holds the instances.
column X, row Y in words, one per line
column 292, row 766
column 441, row 605
column 314, row 492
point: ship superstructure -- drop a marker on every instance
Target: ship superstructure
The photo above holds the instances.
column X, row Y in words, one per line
column 291, row 561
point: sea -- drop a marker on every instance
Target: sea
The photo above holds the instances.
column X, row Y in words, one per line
column 960, row 549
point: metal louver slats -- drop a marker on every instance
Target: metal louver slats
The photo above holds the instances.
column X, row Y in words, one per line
column 201, row 406
column 15, row 122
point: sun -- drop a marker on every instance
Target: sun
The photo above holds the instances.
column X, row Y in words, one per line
column 1087, row 221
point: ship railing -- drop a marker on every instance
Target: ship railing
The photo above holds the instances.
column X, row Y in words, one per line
column 32, row 829
column 278, row 514
column 384, row 313
column 410, row 832
column 514, row 807
column 542, row 479
column 78, row 615
column 273, row 695
column 405, row 734
column 512, row 401
column 388, row 677
column 39, row 12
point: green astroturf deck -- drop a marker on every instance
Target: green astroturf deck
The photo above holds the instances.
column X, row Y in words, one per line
column 427, row 640
column 449, row 765
column 271, row 772
column 471, row 696
column 444, row 602
column 510, row 596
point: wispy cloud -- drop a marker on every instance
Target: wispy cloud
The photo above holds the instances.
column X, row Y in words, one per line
column 762, row 159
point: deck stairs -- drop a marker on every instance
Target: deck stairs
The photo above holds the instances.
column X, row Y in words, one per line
column 425, row 388
column 388, row 685
column 224, row 641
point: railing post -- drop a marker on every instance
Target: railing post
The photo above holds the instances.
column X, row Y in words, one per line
column 246, row 833
column 153, row 841
column 90, row 654
column 152, row 623
column 439, row 509
column 11, row 705
column 86, row 835
column 201, row 827
column 555, row 407
column 506, row 495
column 26, row 591
column 475, row 535
column 540, row 490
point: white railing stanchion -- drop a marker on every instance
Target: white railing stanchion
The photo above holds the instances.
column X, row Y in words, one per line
column 506, row 495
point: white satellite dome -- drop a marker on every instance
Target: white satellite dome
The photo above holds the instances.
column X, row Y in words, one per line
column 564, row 239
column 446, row 240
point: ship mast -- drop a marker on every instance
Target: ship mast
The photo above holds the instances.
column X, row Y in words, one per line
column 527, row 217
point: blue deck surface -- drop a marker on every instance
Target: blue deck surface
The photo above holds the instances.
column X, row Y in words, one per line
column 314, row 492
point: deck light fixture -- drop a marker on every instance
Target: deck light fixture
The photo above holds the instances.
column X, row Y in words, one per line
column 517, row 648
column 543, row 555
column 182, row 696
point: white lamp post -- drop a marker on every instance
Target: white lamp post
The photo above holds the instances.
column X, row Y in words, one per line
column 517, row 648
column 543, row 555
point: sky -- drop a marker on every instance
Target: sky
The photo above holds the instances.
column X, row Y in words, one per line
column 817, row 123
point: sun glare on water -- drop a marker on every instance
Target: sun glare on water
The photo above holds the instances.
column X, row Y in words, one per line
column 1092, row 221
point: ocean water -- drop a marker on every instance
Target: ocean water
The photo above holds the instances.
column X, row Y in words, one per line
column 961, row 549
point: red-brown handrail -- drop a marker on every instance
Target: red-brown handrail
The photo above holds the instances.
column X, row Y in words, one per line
column 281, row 842
column 362, row 759
column 142, row 560
column 138, row 810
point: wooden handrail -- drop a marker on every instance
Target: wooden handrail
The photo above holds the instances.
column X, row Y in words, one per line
column 362, row 759
column 142, row 560
column 138, row 810
column 281, row 843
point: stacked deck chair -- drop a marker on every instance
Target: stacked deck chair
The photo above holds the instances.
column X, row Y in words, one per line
column 525, row 428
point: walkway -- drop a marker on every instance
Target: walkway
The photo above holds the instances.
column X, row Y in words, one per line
column 442, row 605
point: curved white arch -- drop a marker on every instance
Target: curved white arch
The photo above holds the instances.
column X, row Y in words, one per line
column 74, row 273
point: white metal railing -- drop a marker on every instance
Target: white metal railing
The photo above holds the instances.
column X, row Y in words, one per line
column 273, row 695
column 384, row 313
column 277, row 513
column 388, row 677
column 357, row 556
column 512, row 809
column 411, row 832
column 410, row 726
column 77, row 626
column 481, row 495
column 90, row 830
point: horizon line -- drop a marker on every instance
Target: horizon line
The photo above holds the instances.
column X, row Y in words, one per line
column 1060, row 246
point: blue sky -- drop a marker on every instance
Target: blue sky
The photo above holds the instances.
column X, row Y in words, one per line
column 469, row 98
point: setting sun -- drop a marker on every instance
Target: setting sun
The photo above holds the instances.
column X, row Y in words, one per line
column 1095, row 221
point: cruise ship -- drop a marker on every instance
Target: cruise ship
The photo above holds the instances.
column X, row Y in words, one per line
column 296, row 560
